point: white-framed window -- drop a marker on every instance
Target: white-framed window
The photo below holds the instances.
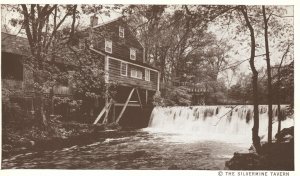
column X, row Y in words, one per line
column 136, row 74
column 147, row 74
column 124, row 68
column 132, row 53
column 121, row 32
column 108, row 46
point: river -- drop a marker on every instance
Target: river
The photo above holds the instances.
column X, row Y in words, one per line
column 176, row 138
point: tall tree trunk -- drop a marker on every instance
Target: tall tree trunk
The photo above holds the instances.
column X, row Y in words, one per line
column 35, row 18
column 278, row 92
column 269, row 75
column 255, row 137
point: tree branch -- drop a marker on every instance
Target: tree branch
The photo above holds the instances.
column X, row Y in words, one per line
column 27, row 28
column 73, row 23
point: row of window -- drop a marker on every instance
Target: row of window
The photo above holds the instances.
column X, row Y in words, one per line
column 108, row 48
column 134, row 73
column 108, row 44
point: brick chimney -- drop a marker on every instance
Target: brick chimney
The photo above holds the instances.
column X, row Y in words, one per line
column 94, row 20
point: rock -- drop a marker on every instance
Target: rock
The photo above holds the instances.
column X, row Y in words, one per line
column 138, row 154
column 113, row 126
column 285, row 135
column 6, row 147
column 173, row 167
column 99, row 127
column 32, row 143
column 245, row 161
column 252, row 149
column 272, row 156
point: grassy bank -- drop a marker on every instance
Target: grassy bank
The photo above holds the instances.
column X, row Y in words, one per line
column 23, row 136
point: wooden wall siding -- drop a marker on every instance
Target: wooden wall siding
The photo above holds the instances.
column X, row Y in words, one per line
column 154, row 76
column 120, row 46
column 62, row 90
column 115, row 75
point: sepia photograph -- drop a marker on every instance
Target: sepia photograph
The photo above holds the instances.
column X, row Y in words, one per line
column 148, row 87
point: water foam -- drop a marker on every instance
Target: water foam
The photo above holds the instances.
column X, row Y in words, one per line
column 217, row 123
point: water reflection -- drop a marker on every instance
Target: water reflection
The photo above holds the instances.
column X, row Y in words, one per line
column 140, row 150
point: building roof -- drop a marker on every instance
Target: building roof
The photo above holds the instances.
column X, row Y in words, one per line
column 14, row 44
column 19, row 45
column 107, row 22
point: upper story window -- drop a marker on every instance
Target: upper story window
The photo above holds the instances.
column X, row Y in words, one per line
column 147, row 74
column 136, row 74
column 124, row 69
column 132, row 54
column 108, row 46
column 121, row 32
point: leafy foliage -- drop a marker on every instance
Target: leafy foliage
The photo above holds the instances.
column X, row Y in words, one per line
column 173, row 96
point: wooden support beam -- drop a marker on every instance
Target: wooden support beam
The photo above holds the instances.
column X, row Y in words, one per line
column 114, row 113
column 102, row 112
column 126, row 103
column 106, row 103
column 106, row 114
column 146, row 96
column 140, row 101
column 106, row 69
column 158, row 81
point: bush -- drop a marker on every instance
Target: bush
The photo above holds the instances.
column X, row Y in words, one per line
column 173, row 96
column 157, row 99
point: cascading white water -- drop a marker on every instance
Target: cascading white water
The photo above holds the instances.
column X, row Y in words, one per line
column 221, row 123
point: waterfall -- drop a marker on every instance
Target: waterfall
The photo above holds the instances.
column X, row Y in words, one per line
column 224, row 123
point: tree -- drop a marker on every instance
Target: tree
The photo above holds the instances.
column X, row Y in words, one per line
column 255, row 137
column 40, row 35
column 169, row 36
column 269, row 74
column 178, row 43
column 278, row 85
column 174, row 96
column 277, row 34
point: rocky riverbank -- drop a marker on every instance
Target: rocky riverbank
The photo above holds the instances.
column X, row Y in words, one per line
column 25, row 137
column 278, row 155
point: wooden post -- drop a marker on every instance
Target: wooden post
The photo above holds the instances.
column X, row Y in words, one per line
column 146, row 96
column 102, row 112
column 106, row 104
column 32, row 106
column 158, row 81
column 106, row 115
column 125, row 105
column 52, row 101
column 114, row 113
column 137, row 91
column 106, row 68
